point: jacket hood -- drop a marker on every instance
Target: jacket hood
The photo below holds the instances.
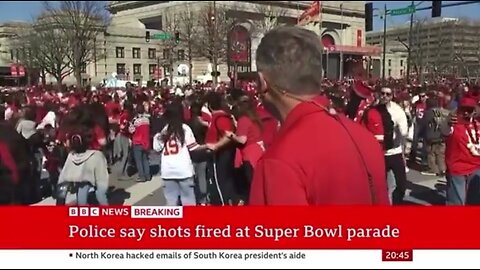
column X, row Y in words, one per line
column 79, row 158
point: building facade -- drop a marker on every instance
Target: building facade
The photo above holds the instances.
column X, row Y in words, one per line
column 342, row 26
column 439, row 46
column 396, row 57
column 124, row 51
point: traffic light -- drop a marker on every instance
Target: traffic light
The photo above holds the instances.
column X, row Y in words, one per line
column 368, row 17
column 147, row 36
column 436, row 9
column 177, row 37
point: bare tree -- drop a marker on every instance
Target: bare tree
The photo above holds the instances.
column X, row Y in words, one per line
column 80, row 22
column 43, row 47
column 214, row 26
column 270, row 17
column 188, row 33
column 171, row 27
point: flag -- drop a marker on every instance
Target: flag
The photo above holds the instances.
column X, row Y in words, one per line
column 310, row 14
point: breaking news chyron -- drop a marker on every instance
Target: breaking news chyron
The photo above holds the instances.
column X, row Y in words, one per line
column 239, row 134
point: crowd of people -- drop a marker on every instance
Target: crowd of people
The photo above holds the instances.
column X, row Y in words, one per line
column 288, row 138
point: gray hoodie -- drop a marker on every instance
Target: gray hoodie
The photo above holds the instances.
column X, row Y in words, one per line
column 26, row 128
column 90, row 166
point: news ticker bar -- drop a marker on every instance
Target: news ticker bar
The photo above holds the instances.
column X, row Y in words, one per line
column 250, row 259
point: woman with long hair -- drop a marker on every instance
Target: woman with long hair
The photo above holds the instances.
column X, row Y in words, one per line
column 175, row 142
column 84, row 168
column 249, row 140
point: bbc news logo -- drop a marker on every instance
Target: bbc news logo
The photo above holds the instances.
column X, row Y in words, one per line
column 97, row 211
column 83, row 211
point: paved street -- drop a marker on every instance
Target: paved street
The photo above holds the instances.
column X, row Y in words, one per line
column 422, row 190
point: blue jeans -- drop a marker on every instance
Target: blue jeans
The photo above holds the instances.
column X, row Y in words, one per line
column 459, row 188
column 142, row 163
column 82, row 195
column 173, row 188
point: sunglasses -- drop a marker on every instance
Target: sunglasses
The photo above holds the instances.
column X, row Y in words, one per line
column 422, row 96
column 386, row 94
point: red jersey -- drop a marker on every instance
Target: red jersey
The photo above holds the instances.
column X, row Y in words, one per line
column 458, row 157
column 221, row 122
column 316, row 159
column 420, row 108
column 140, row 129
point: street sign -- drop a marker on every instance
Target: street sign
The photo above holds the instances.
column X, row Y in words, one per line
column 161, row 36
column 403, row 11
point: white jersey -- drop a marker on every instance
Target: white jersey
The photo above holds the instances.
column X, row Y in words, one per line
column 176, row 162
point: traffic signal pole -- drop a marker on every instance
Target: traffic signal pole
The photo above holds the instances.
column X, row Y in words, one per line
column 409, row 49
column 384, row 43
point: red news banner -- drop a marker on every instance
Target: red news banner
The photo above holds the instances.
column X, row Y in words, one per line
column 388, row 228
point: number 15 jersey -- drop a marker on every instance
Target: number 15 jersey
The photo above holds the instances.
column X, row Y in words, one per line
column 176, row 162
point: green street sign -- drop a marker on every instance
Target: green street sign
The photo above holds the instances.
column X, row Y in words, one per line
column 403, row 11
column 162, row 36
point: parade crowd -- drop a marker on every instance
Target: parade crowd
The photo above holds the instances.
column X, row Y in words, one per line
column 289, row 137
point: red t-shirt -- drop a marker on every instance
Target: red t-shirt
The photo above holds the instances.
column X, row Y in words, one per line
column 313, row 161
column 221, row 122
column 110, row 107
column 270, row 125
column 251, row 150
column 98, row 134
column 124, row 122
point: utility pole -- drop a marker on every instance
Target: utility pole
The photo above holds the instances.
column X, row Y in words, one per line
column 214, row 43
column 384, row 42
column 343, row 40
column 321, row 37
column 410, row 44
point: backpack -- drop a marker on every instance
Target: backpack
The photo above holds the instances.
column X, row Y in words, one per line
column 440, row 118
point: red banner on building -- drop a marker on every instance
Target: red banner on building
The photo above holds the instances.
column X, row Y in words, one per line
column 13, row 70
column 309, row 15
column 359, row 37
column 394, row 228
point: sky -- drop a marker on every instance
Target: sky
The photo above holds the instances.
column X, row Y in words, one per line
column 25, row 11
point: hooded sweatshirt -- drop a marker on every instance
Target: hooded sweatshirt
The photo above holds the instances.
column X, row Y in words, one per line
column 26, row 128
column 90, row 166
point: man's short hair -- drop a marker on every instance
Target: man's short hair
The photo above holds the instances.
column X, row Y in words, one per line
column 291, row 58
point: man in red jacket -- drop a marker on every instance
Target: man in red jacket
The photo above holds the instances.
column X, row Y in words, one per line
column 462, row 154
column 318, row 157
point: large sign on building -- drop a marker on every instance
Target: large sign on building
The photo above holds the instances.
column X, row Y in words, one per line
column 239, row 56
